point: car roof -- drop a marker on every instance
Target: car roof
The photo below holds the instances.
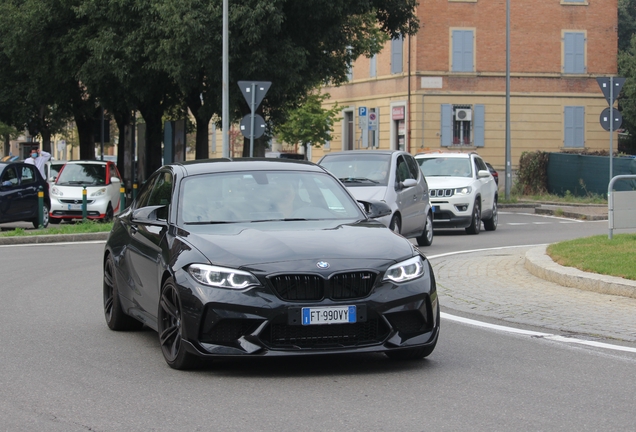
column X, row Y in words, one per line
column 445, row 154
column 382, row 152
column 205, row 166
column 97, row 162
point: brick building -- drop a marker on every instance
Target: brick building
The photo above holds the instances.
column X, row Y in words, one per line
column 446, row 86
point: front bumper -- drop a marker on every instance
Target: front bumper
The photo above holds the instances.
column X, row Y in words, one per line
column 258, row 322
column 448, row 214
column 70, row 208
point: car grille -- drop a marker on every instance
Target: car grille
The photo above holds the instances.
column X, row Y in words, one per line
column 439, row 193
column 226, row 331
column 314, row 287
column 278, row 335
column 74, row 201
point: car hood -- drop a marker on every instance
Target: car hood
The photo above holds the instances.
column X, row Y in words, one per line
column 75, row 191
column 368, row 193
column 257, row 244
column 448, row 182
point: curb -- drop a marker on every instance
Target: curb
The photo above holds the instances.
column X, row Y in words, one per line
column 539, row 264
column 569, row 214
column 53, row 238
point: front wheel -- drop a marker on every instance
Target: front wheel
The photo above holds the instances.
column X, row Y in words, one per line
column 426, row 239
column 113, row 310
column 45, row 218
column 491, row 224
column 475, row 225
column 170, row 329
column 109, row 213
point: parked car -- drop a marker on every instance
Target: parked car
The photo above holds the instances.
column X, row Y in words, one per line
column 264, row 257
column 19, row 187
column 494, row 173
column 463, row 192
column 391, row 176
column 102, row 182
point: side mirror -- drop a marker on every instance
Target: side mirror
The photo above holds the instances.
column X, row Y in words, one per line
column 150, row 215
column 115, row 180
column 375, row 209
column 408, row 183
column 483, row 173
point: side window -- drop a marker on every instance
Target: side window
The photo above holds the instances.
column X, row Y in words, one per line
column 414, row 168
column 403, row 171
column 480, row 164
column 9, row 177
column 162, row 193
column 28, row 175
column 144, row 193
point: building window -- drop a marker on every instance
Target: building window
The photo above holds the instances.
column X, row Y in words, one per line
column 462, row 59
column 397, row 55
column 574, row 2
column 350, row 68
column 574, row 52
column 373, row 66
column 574, row 127
column 462, row 125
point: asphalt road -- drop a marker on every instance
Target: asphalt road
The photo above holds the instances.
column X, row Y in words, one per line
column 63, row 370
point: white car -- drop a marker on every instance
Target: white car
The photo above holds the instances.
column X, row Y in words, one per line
column 102, row 182
column 463, row 192
column 51, row 170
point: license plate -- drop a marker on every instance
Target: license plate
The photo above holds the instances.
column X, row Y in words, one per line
column 74, row 206
column 329, row 315
column 435, row 209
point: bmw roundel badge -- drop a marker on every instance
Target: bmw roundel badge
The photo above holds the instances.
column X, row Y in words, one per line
column 322, row 265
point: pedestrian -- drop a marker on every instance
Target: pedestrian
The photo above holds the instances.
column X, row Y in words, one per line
column 39, row 159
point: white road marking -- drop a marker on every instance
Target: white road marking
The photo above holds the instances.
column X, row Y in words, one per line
column 56, row 243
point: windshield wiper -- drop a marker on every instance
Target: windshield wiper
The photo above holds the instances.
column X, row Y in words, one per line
column 357, row 180
column 212, row 222
column 72, row 182
column 280, row 220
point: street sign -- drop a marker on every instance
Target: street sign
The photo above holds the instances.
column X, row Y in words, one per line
column 616, row 116
column 363, row 118
column 259, row 126
column 373, row 120
column 260, row 90
column 362, row 111
column 605, row 83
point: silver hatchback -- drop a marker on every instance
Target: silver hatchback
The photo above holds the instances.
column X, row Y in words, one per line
column 391, row 176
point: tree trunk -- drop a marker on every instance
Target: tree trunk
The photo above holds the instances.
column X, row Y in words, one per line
column 125, row 157
column 152, row 114
column 203, row 120
column 85, row 128
column 7, row 144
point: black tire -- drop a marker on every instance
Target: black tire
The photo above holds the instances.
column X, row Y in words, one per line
column 396, row 224
column 169, row 329
column 45, row 218
column 475, row 224
column 426, row 239
column 109, row 213
column 113, row 311
column 491, row 224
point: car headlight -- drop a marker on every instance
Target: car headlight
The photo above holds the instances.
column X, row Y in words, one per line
column 99, row 192
column 56, row 192
column 221, row 277
column 464, row 190
column 405, row 271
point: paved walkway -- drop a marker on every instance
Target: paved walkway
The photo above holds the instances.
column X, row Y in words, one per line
column 496, row 284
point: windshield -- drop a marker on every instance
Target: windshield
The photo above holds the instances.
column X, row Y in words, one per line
column 359, row 169
column 445, row 167
column 82, row 174
column 264, row 196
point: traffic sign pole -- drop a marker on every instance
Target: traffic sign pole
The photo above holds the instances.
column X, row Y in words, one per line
column 611, row 131
column 252, row 109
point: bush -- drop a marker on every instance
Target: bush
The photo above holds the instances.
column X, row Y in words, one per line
column 532, row 175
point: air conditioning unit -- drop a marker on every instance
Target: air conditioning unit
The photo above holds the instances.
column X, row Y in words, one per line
column 463, row 114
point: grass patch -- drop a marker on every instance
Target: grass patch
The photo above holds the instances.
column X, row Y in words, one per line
column 598, row 254
column 65, row 228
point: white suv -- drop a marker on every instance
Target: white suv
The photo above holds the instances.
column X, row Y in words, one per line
column 462, row 191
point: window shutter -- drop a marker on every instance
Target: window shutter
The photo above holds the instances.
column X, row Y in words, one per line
column 462, row 51
column 574, row 126
column 446, row 136
column 396, row 55
column 479, row 125
column 574, row 52
column 373, row 62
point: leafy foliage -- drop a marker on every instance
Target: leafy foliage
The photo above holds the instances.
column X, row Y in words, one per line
column 532, row 175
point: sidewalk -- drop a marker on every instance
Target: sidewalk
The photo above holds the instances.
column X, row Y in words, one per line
column 497, row 284
column 571, row 210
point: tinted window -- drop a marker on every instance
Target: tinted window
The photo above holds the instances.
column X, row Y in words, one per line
column 480, row 164
column 161, row 194
column 144, row 193
column 403, row 171
column 413, row 166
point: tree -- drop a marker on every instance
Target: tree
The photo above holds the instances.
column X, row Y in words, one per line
column 309, row 124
